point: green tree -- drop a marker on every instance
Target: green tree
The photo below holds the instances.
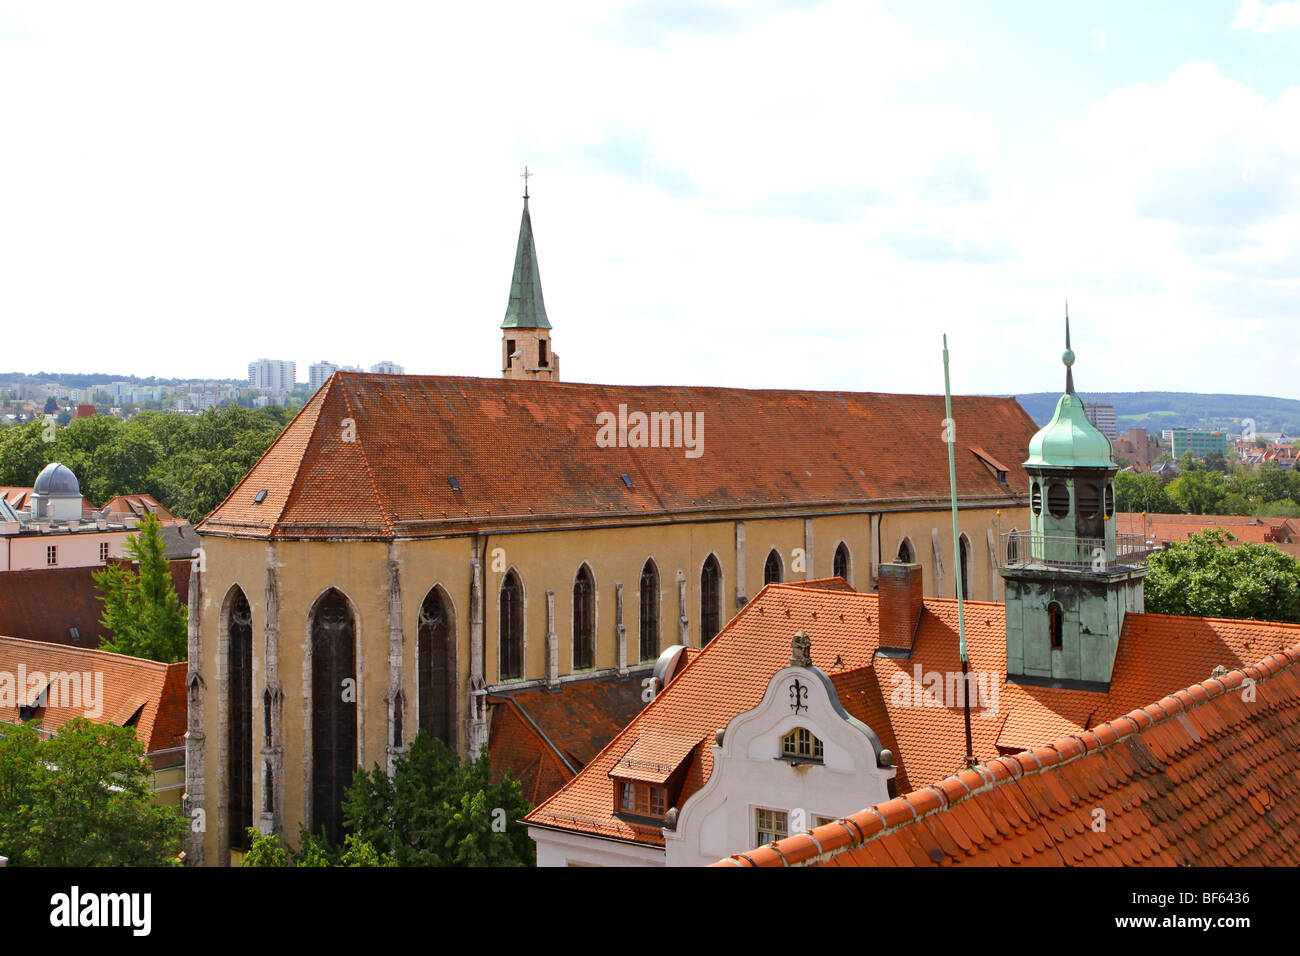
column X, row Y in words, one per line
column 51, row 405
column 24, row 452
column 313, row 851
column 141, row 609
column 81, row 798
column 1144, row 492
column 439, row 811
column 1206, row 577
column 1199, row 492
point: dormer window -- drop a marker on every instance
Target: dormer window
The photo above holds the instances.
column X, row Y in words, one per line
column 641, row 799
column 802, row 745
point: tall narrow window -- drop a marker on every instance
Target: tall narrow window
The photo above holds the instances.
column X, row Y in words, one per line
column 334, row 711
column 772, row 568
column 1036, row 498
column 541, row 353
column 436, row 701
column 841, row 565
column 510, row 351
column 905, row 553
column 710, row 600
column 1056, row 624
column 584, row 620
column 649, row 620
column 512, row 627
column 965, row 567
column 239, row 705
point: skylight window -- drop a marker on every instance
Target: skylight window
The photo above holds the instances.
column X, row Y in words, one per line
column 626, row 480
column 455, row 485
column 261, row 496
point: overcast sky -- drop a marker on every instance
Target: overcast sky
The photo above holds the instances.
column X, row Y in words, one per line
column 798, row 194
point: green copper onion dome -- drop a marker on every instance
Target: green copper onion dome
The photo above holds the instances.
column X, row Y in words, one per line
column 1069, row 440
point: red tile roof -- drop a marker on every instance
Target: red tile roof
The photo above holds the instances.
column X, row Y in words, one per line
column 371, row 456
column 1157, row 654
column 20, row 499
column 130, row 684
column 1209, row 776
column 1243, row 528
column 138, row 506
column 545, row 737
column 47, row 603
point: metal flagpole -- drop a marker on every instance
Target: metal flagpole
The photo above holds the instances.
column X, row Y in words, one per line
column 950, row 433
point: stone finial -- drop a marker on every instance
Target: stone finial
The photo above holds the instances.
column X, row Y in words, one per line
column 800, row 650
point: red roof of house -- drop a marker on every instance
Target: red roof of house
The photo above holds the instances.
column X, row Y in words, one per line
column 1243, row 528
column 1208, row 776
column 85, row 411
column 373, row 456
column 544, row 737
column 1157, row 654
column 150, row 692
column 19, row 499
column 138, row 506
column 46, row 604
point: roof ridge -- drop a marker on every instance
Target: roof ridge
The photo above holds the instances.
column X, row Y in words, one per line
column 78, row 649
column 872, row 821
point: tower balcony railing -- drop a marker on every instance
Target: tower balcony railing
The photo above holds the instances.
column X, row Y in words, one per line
column 1024, row 549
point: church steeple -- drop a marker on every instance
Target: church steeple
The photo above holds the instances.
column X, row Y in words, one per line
column 525, row 337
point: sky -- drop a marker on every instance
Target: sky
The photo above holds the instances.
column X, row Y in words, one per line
column 761, row 194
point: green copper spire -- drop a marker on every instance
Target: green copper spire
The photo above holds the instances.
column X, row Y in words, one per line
column 526, row 309
column 1069, row 440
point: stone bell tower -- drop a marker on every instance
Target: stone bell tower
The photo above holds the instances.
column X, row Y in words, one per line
column 1070, row 579
column 526, row 351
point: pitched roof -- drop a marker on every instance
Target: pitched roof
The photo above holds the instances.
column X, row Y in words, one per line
column 1208, row 776
column 1157, row 654
column 1243, row 528
column 371, row 456
column 151, row 692
column 544, row 737
column 139, row 506
column 526, row 310
column 46, row 604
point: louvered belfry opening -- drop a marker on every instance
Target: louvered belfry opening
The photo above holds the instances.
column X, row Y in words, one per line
column 435, row 640
column 239, row 753
column 334, row 711
column 512, row 627
column 710, row 600
column 584, row 620
column 649, row 620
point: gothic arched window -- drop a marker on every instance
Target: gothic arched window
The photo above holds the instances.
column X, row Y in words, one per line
column 772, row 568
column 905, row 553
column 512, row 627
column 435, row 646
column 334, row 710
column 239, row 705
column 584, row 620
column 965, row 567
column 710, row 599
column 841, row 565
column 649, row 620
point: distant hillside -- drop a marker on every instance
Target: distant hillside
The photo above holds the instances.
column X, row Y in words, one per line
column 1156, row 410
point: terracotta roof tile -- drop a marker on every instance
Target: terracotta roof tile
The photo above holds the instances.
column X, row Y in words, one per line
column 1231, row 801
column 370, row 456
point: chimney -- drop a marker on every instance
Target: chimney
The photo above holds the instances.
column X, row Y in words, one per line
column 901, row 591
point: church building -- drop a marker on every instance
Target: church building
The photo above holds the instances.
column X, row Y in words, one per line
column 445, row 554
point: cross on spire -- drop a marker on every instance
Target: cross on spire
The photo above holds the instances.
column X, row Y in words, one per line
column 524, row 176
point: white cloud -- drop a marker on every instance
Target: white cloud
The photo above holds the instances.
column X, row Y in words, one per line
column 1267, row 17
